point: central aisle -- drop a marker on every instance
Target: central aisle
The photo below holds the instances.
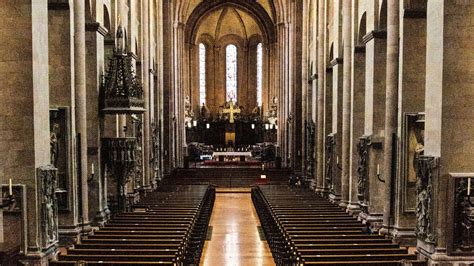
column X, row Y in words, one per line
column 235, row 239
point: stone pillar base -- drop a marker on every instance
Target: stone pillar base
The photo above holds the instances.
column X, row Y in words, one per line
column 68, row 235
column 353, row 209
column 441, row 258
column 404, row 236
column 374, row 219
column 39, row 258
column 102, row 217
column 334, row 198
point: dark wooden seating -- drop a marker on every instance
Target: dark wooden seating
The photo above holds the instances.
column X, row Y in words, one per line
column 167, row 227
column 305, row 229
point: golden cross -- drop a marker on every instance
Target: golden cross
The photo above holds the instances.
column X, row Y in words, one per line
column 231, row 111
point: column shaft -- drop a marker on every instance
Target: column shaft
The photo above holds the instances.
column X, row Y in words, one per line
column 391, row 103
column 346, row 101
column 80, row 98
column 320, row 97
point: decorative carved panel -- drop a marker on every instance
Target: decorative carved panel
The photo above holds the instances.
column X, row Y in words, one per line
column 310, row 144
column 47, row 185
column 427, row 172
column 330, row 162
column 363, row 172
column 463, row 239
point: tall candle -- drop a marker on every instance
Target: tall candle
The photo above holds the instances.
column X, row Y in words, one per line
column 10, row 187
column 378, row 169
column 469, row 186
column 92, row 169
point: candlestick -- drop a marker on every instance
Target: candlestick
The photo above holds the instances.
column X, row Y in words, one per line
column 469, row 186
column 10, row 187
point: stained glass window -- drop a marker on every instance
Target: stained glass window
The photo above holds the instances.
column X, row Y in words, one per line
column 231, row 72
column 259, row 73
column 202, row 74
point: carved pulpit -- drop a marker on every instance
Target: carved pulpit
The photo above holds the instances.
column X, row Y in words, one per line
column 230, row 127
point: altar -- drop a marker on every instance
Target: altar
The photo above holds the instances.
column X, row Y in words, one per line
column 230, row 156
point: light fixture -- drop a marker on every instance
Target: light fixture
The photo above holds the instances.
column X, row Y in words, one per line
column 208, row 126
column 276, row 127
column 253, row 126
column 267, row 126
column 195, row 123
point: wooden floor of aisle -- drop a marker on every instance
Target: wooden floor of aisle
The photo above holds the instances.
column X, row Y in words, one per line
column 235, row 239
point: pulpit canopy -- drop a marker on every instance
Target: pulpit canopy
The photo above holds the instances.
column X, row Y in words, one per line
column 121, row 92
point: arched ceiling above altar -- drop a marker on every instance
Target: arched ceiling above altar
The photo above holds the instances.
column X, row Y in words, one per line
column 226, row 21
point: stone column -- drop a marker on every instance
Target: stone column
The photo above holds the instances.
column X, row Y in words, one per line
column 346, row 101
column 146, row 91
column 448, row 129
column 80, row 99
column 391, row 107
column 24, row 114
column 320, row 97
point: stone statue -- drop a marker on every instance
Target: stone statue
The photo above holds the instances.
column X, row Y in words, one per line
column 54, row 144
column 205, row 113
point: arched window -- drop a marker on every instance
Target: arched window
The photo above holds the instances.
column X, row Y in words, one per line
column 202, row 74
column 259, row 74
column 231, row 72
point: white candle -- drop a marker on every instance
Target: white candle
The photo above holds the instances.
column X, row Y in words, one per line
column 468, row 186
column 337, row 160
column 263, row 167
column 378, row 169
column 92, row 169
column 10, row 187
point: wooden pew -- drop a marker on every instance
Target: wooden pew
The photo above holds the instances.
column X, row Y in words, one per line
column 305, row 229
column 167, row 227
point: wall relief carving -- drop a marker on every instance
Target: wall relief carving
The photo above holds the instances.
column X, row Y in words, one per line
column 47, row 185
column 463, row 215
column 427, row 171
column 363, row 172
column 330, row 162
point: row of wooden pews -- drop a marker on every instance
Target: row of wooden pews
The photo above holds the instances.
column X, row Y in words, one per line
column 168, row 226
column 305, row 229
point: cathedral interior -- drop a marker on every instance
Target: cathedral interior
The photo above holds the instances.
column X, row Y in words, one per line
column 236, row 132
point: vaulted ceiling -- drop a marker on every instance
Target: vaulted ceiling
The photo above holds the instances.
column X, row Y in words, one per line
column 229, row 20
column 218, row 18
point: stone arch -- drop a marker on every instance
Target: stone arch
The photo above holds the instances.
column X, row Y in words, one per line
column 207, row 40
column 253, row 8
